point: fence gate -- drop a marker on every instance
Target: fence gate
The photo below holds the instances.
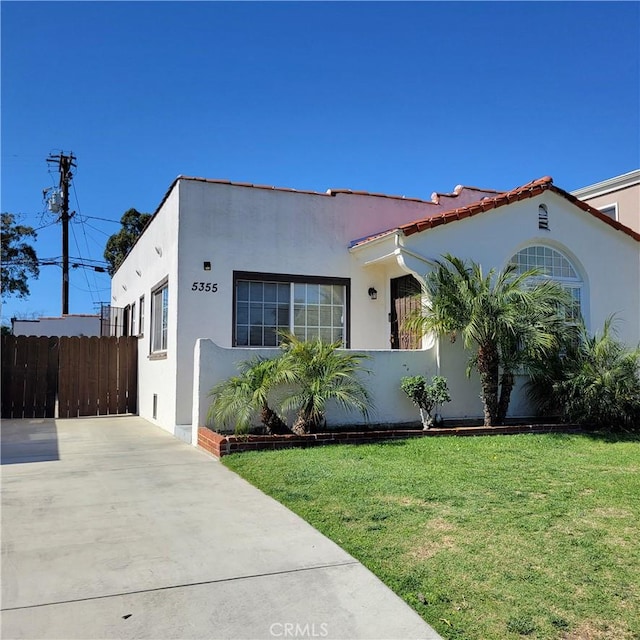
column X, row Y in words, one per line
column 68, row 377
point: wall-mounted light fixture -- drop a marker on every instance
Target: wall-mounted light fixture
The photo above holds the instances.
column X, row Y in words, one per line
column 373, row 294
column 207, row 266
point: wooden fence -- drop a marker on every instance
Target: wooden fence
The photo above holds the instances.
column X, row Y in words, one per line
column 77, row 376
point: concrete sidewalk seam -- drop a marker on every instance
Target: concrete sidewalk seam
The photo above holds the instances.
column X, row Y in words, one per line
column 182, row 586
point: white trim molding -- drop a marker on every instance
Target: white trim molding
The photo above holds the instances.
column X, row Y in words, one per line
column 623, row 181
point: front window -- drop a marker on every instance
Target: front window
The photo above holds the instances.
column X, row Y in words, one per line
column 159, row 318
column 309, row 307
column 556, row 266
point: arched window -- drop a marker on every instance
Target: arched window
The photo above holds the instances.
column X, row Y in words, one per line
column 557, row 266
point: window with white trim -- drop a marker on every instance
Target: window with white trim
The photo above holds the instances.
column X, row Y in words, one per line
column 141, row 316
column 134, row 319
column 610, row 210
column 307, row 306
column 159, row 318
column 556, row 266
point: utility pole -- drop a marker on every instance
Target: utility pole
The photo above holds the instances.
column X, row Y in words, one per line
column 65, row 163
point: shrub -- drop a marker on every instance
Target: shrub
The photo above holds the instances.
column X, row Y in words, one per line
column 595, row 382
column 426, row 396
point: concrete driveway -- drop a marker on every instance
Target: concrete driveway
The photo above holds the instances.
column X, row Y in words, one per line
column 112, row 528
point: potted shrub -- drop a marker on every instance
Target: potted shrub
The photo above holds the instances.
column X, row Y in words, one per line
column 426, row 396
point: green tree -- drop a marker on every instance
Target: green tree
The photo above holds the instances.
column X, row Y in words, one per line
column 510, row 319
column 593, row 381
column 321, row 372
column 120, row 243
column 19, row 260
column 237, row 400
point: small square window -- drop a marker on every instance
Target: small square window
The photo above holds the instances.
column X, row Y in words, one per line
column 611, row 211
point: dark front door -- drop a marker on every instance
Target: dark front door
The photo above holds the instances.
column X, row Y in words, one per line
column 403, row 302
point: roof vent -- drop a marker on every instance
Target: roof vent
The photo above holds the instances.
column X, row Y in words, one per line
column 543, row 217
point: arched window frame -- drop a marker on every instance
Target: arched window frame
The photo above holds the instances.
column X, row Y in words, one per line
column 560, row 268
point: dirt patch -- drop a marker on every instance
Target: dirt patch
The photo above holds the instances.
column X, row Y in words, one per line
column 439, row 524
column 594, row 631
column 434, row 539
column 610, row 512
column 404, row 501
column 429, row 548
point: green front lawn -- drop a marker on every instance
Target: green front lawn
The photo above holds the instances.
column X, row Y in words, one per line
column 487, row 538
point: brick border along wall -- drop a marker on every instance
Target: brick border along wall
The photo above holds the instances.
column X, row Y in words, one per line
column 221, row 445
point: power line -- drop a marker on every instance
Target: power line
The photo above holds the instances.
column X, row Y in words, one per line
column 103, row 219
column 73, row 231
column 98, row 230
column 86, row 242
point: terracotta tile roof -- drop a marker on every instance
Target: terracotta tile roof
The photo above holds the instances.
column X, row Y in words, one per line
column 530, row 190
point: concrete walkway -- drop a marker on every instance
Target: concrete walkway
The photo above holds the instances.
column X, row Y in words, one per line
column 112, row 528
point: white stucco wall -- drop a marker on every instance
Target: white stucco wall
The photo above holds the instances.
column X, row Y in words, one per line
column 608, row 260
column 213, row 364
column 154, row 258
column 70, row 325
column 271, row 231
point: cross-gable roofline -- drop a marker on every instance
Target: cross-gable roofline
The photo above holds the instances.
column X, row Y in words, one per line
column 529, row 190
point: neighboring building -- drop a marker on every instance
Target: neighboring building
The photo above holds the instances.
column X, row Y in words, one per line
column 618, row 197
column 222, row 266
column 67, row 325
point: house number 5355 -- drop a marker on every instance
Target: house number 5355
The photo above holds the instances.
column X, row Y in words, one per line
column 205, row 286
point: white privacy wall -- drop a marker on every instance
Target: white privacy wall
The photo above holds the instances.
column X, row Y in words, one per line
column 213, row 364
column 69, row 325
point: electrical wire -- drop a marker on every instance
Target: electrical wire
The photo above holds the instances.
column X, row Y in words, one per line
column 84, row 233
column 98, row 230
column 86, row 277
column 103, row 219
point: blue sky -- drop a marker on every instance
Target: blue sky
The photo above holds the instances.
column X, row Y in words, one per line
column 399, row 98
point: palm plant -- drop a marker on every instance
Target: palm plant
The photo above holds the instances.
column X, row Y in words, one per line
column 509, row 318
column 595, row 382
column 238, row 399
column 321, row 372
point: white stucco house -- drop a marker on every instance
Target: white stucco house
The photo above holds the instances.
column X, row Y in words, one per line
column 222, row 266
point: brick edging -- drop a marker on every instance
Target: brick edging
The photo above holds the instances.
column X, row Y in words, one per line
column 220, row 444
